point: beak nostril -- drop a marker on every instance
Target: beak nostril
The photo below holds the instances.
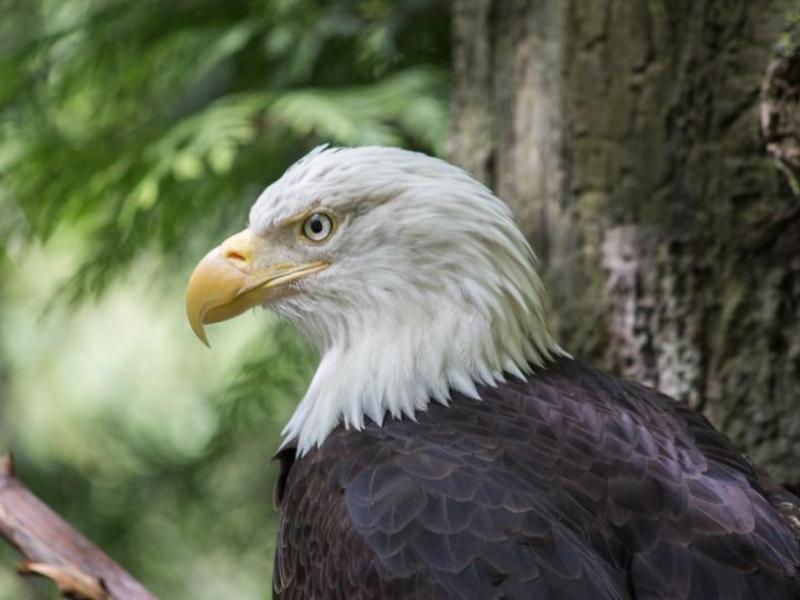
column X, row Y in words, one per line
column 235, row 256
column 237, row 250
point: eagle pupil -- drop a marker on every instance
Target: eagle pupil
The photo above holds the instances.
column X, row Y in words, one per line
column 316, row 224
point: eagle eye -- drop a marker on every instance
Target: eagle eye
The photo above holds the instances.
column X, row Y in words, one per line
column 317, row 227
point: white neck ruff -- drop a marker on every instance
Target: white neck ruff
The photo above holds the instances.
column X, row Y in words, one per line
column 395, row 363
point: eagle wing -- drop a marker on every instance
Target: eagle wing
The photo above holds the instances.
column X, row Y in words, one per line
column 572, row 484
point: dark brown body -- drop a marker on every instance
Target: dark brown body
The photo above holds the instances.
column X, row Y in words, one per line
column 571, row 485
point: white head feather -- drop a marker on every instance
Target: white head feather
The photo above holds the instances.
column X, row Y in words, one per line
column 431, row 288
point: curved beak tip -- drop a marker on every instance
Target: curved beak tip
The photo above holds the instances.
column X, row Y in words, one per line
column 196, row 320
column 200, row 332
column 214, row 282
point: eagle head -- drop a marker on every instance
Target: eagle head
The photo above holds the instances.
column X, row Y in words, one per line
column 409, row 276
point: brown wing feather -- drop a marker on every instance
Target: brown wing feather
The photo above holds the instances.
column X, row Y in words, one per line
column 571, row 485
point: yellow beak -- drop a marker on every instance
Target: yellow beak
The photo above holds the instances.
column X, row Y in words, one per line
column 225, row 283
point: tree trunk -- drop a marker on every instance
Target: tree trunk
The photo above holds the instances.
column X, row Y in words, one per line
column 625, row 136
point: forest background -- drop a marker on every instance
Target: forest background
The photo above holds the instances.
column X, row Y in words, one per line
column 649, row 150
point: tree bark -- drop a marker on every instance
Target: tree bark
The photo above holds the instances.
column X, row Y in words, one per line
column 55, row 550
column 625, row 136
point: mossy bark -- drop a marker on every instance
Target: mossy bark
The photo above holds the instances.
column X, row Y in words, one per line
column 625, row 136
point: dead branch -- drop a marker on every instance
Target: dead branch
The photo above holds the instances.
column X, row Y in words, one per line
column 55, row 550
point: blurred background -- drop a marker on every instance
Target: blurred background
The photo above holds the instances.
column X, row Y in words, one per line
column 650, row 151
column 134, row 136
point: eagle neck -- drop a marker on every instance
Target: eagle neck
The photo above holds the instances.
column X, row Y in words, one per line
column 394, row 364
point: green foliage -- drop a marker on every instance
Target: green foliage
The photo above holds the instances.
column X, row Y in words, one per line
column 147, row 122
column 134, row 135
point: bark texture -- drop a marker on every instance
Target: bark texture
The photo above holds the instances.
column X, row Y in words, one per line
column 626, row 137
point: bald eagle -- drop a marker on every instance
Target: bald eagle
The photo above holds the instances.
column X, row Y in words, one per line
column 447, row 446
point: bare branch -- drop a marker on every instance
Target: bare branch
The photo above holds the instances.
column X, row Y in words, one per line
column 55, row 550
column 71, row 583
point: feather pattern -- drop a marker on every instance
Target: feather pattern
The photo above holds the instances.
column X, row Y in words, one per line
column 570, row 484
